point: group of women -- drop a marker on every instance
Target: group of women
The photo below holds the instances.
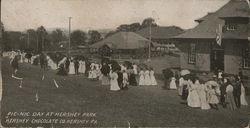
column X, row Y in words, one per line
column 122, row 75
column 229, row 92
column 75, row 66
column 147, row 77
column 119, row 76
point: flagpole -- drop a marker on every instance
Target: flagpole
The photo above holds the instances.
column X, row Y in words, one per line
column 149, row 46
column 69, row 35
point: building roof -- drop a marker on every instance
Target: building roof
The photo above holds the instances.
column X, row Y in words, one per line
column 123, row 40
column 160, row 32
column 207, row 28
column 239, row 8
column 204, row 17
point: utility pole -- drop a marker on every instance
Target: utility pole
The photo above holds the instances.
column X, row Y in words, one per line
column 69, row 35
column 28, row 40
column 149, row 46
column 37, row 47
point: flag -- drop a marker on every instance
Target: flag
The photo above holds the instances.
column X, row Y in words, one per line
column 219, row 35
column 248, row 2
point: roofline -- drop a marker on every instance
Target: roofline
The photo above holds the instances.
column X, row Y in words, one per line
column 224, row 17
column 213, row 38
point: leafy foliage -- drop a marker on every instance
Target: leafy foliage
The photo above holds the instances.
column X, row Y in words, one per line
column 94, row 36
column 78, row 37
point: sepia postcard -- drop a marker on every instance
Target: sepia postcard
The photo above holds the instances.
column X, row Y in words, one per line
column 125, row 63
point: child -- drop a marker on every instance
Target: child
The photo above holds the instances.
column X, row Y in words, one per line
column 212, row 98
column 125, row 80
column 172, row 83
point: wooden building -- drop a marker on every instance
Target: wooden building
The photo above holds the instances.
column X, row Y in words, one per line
column 200, row 51
column 123, row 44
column 162, row 35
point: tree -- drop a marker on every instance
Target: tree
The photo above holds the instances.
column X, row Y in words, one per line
column 42, row 38
column 1, row 36
column 146, row 22
column 123, row 27
column 56, row 37
column 129, row 27
column 4, row 39
column 77, row 37
column 13, row 40
column 94, row 36
column 32, row 39
column 135, row 27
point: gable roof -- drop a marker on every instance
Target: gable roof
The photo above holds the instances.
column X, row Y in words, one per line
column 204, row 17
column 207, row 28
column 160, row 32
column 238, row 8
column 123, row 40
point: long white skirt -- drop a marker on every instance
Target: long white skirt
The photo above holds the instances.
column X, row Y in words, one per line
column 72, row 70
column 153, row 80
column 193, row 99
column 173, row 84
column 114, row 85
column 243, row 100
column 147, row 80
column 141, row 80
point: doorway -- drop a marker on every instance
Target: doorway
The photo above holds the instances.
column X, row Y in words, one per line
column 217, row 60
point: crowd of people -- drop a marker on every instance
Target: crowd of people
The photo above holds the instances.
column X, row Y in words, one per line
column 117, row 75
column 228, row 91
column 109, row 72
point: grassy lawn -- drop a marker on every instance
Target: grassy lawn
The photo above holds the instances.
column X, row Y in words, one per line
column 140, row 106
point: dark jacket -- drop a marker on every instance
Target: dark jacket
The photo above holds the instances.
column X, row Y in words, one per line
column 237, row 88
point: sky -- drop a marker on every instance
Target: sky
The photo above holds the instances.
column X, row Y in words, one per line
column 20, row 15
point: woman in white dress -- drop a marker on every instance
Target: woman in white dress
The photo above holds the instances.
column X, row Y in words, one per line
column 147, row 77
column 152, row 77
column 172, row 84
column 80, row 66
column 135, row 69
column 91, row 71
column 51, row 64
column 97, row 70
column 202, row 92
column 94, row 73
column 83, row 66
column 110, row 68
column 32, row 59
column 71, row 67
column 243, row 100
column 193, row 99
column 142, row 78
column 22, row 57
column 113, row 82
column 180, row 88
column 125, row 79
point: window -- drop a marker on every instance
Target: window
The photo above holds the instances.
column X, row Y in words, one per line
column 231, row 26
column 246, row 58
column 192, row 54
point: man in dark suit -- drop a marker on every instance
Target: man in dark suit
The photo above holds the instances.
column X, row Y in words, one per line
column 237, row 91
column 42, row 59
column 76, row 66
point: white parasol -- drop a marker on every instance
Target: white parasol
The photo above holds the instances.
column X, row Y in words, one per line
column 212, row 83
column 185, row 72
